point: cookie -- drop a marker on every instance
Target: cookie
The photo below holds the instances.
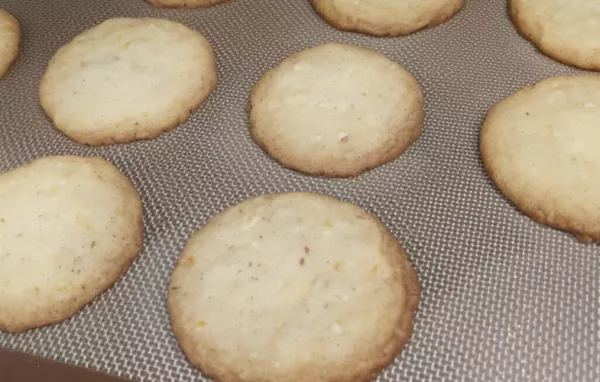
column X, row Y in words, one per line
column 10, row 36
column 567, row 31
column 185, row 3
column 127, row 79
column 386, row 17
column 293, row 287
column 541, row 146
column 336, row 110
column 69, row 228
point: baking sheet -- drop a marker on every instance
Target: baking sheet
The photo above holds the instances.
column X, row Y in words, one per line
column 504, row 299
column 21, row 367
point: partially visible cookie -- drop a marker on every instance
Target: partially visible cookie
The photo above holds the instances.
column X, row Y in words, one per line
column 10, row 37
column 386, row 17
column 336, row 110
column 567, row 31
column 293, row 287
column 541, row 146
column 128, row 79
column 185, row 3
column 69, row 228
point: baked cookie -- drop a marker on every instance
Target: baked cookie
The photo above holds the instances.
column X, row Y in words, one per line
column 541, row 146
column 293, row 287
column 185, row 3
column 567, row 31
column 386, row 17
column 10, row 37
column 336, row 110
column 69, row 228
column 127, row 79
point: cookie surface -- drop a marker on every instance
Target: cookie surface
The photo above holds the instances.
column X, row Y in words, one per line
column 69, row 228
column 336, row 110
column 293, row 287
column 10, row 37
column 541, row 146
column 185, row 3
column 386, row 17
column 127, row 79
column 567, row 31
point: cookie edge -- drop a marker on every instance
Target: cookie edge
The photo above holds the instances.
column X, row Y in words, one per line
column 563, row 54
column 187, row 4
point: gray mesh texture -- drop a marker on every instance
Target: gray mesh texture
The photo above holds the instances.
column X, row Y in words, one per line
column 504, row 299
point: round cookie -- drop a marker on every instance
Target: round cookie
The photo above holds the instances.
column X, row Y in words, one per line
column 10, row 36
column 185, row 3
column 386, row 17
column 127, row 79
column 541, row 146
column 69, row 228
column 336, row 110
column 567, row 31
column 293, row 287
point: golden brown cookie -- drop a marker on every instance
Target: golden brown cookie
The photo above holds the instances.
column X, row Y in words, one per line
column 10, row 37
column 386, row 17
column 541, row 146
column 69, row 228
column 336, row 110
column 293, row 287
column 567, row 31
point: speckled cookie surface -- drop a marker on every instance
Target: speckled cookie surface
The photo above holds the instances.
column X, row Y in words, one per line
column 10, row 37
column 541, row 146
column 336, row 110
column 566, row 30
column 69, row 228
column 386, row 17
column 128, row 79
column 293, row 287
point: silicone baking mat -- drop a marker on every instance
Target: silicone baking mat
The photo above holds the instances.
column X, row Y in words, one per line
column 504, row 299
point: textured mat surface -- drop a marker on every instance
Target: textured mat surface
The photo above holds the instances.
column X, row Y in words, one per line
column 504, row 299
